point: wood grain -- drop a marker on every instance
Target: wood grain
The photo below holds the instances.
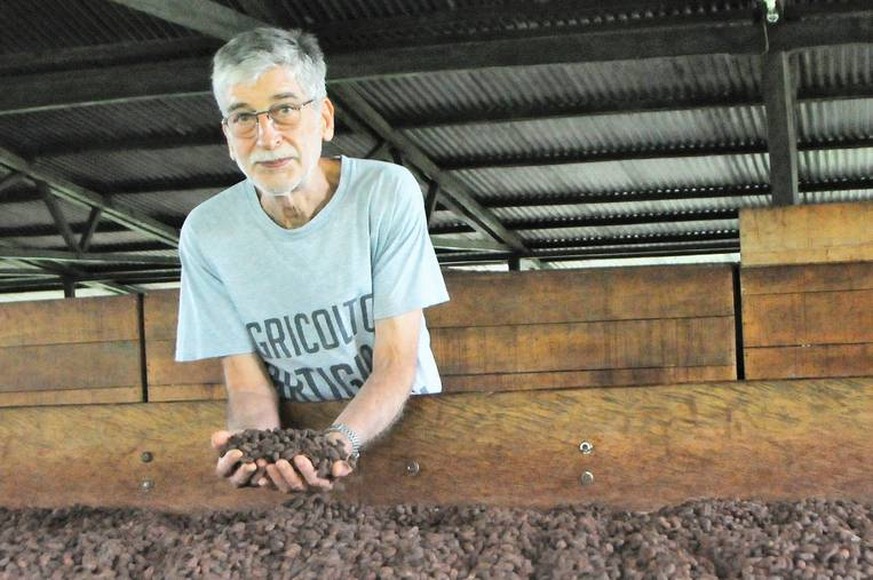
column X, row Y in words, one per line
column 679, row 342
column 557, row 296
column 166, row 379
column 809, row 361
column 653, row 446
column 103, row 319
column 489, row 382
column 813, row 320
column 131, row 394
column 806, row 234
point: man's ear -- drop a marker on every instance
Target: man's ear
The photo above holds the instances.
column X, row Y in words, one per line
column 229, row 141
column 327, row 119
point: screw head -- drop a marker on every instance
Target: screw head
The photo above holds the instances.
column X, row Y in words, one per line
column 412, row 467
column 587, row 478
column 586, row 447
column 146, row 485
column 146, row 457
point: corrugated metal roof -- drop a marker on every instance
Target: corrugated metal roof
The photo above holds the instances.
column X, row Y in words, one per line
column 432, row 97
column 642, row 150
column 618, row 176
column 30, row 26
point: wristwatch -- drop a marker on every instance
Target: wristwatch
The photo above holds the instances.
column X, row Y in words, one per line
column 350, row 434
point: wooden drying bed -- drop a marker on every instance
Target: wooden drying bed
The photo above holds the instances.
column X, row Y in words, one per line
column 649, row 446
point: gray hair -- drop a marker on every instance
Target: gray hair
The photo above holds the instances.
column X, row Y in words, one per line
column 250, row 54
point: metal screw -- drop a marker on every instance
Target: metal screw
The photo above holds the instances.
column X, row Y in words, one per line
column 412, row 468
column 586, row 447
column 146, row 485
column 146, row 457
column 587, row 478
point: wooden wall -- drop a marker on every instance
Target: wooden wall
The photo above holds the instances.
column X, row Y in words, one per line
column 806, row 234
column 581, row 328
column 652, row 446
column 807, row 291
column 61, row 352
column 166, row 379
column 808, row 321
column 514, row 348
column 534, row 330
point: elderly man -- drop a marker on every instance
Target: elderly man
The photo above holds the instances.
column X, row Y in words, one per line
column 309, row 277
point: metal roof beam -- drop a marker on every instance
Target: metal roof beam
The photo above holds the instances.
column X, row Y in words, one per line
column 73, row 193
column 555, row 224
column 8, row 252
column 204, row 16
column 455, row 195
column 780, row 96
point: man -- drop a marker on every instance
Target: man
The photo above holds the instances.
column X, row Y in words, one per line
column 308, row 278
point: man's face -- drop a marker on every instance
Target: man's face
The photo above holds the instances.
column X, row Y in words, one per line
column 279, row 160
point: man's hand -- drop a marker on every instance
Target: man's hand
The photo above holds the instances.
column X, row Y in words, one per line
column 300, row 475
column 295, row 476
column 230, row 466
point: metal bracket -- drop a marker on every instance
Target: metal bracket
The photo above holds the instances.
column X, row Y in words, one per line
column 772, row 9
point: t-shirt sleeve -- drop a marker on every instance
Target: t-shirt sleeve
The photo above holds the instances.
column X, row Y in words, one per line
column 209, row 325
column 406, row 273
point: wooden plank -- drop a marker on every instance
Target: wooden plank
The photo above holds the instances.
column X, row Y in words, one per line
column 92, row 365
column 653, row 446
column 813, row 320
column 549, row 296
column 160, row 314
column 131, row 394
column 164, row 370
column 595, row 378
column 187, row 392
column 808, row 318
column 166, row 379
column 76, row 320
column 806, row 278
column 577, row 346
column 809, row 361
column 806, row 234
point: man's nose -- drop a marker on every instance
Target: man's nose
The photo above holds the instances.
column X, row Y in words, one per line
column 268, row 135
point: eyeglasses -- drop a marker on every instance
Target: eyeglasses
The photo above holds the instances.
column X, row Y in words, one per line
column 244, row 124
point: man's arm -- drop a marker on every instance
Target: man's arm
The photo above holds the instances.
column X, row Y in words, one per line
column 252, row 403
column 382, row 397
column 373, row 409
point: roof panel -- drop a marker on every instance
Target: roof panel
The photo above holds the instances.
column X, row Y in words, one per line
column 610, row 176
column 656, row 131
column 428, row 97
column 46, row 25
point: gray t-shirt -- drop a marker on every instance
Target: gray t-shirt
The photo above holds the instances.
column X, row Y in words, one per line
column 306, row 299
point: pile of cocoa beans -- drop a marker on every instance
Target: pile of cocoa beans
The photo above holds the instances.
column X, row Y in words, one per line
column 274, row 444
column 318, row 536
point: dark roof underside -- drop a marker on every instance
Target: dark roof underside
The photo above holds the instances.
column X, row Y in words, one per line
column 546, row 133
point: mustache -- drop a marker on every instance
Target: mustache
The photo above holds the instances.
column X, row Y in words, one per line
column 267, row 156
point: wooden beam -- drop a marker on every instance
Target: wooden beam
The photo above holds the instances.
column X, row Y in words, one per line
column 780, row 97
column 650, row 446
column 807, row 234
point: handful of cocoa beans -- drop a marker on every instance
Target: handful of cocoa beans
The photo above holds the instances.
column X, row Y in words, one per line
column 275, row 444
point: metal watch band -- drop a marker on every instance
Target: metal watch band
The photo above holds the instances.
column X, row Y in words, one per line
column 350, row 435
